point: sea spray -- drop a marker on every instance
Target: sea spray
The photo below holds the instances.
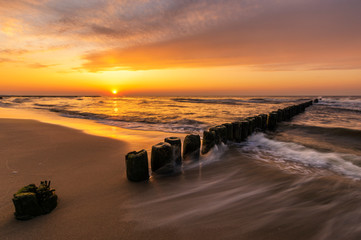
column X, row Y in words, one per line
column 264, row 148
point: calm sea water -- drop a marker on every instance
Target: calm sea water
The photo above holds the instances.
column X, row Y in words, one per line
column 169, row 114
column 300, row 182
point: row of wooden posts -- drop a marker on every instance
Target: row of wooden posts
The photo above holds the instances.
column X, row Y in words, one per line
column 166, row 156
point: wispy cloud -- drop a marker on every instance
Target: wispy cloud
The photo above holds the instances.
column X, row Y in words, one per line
column 155, row 34
column 303, row 34
column 6, row 60
column 39, row 65
column 13, row 51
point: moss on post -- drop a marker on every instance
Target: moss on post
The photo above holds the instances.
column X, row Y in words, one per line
column 31, row 201
column 26, row 206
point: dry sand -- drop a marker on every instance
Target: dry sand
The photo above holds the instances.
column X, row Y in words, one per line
column 87, row 173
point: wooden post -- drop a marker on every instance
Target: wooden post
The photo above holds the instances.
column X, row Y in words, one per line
column 176, row 144
column 137, row 166
column 161, row 159
column 237, row 131
column 208, row 141
column 229, row 128
column 244, row 130
column 191, row 147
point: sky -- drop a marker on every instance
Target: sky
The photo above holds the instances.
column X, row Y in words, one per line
column 180, row 47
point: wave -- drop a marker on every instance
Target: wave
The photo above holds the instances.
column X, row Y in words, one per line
column 232, row 101
column 44, row 105
column 186, row 121
column 346, row 103
column 345, row 109
column 274, row 100
column 210, row 101
column 144, row 122
column 22, row 100
column 267, row 149
column 335, row 132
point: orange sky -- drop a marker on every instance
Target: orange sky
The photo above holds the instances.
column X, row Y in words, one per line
column 164, row 47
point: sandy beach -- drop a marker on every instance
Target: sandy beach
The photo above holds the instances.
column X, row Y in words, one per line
column 89, row 177
column 226, row 195
column 87, row 172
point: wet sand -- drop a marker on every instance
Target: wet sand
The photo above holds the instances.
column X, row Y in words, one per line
column 227, row 195
column 89, row 177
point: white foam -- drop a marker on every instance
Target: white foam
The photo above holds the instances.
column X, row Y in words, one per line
column 267, row 149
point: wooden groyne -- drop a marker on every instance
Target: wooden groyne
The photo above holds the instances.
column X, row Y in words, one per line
column 166, row 155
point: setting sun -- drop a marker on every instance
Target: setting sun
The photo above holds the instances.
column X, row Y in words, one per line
column 114, row 91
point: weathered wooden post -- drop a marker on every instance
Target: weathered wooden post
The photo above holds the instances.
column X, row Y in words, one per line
column 31, row 201
column 137, row 166
column 229, row 128
column 209, row 141
column 217, row 137
column 161, row 159
column 298, row 109
column 191, row 147
column 176, row 144
column 221, row 131
column 272, row 121
column 237, row 131
column 302, row 109
column 293, row 111
column 287, row 113
column 279, row 115
column 258, row 123
column 251, row 126
column 264, row 122
column 26, row 206
column 244, row 130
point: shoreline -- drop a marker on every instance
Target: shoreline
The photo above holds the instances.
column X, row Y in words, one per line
column 96, row 201
column 78, row 165
column 135, row 139
column 226, row 195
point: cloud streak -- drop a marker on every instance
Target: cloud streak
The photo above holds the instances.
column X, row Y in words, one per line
column 157, row 34
column 39, row 65
column 308, row 34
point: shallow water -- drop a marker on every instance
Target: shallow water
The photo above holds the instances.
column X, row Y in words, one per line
column 167, row 114
column 252, row 199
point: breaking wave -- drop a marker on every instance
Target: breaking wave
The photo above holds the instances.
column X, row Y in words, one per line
column 267, row 149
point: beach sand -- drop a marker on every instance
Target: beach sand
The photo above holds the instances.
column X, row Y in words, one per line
column 86, row 171
column 235, row 198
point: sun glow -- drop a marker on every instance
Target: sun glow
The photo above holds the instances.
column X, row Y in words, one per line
column 114, row 91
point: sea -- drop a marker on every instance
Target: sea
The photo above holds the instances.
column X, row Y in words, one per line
column 301, row 181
